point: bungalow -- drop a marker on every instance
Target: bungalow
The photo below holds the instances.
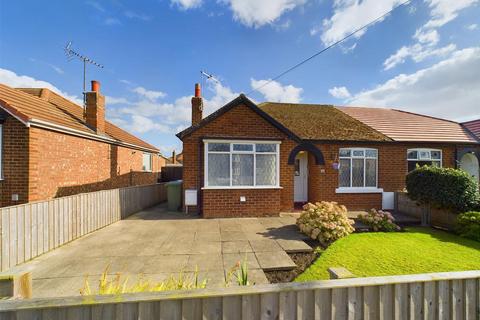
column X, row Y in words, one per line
column 258, row 160
column 51, row 147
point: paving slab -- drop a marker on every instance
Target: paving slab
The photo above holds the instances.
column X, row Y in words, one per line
column 202, row 262
column 231, row 259
column 157, row 244
column 236, row 246
column 265, row 245
column 294, row 246
column 277, row 260
column 233, row 235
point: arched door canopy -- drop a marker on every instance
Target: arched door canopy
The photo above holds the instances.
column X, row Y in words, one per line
column 317, row 154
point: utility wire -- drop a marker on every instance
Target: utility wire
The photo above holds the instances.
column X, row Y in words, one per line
column 328, row 47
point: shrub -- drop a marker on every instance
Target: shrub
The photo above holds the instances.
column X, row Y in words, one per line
column 443, row 188
column 379, row 220
column 325, row 221
column 468, row 225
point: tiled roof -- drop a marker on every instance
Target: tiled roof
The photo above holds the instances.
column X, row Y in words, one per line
column 473, row 126
column 45, row 105
column 406, row 126
column 320, row 122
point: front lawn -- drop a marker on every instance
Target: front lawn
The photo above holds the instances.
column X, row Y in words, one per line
column 418, row 250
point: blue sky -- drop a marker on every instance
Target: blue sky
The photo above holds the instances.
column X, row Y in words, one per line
column 425, row 57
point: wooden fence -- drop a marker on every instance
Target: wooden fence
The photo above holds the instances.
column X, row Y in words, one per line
column 429, row 216
column 32, row 229
column 451, row 295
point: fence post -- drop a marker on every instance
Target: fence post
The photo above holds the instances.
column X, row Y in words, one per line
column 17, row 286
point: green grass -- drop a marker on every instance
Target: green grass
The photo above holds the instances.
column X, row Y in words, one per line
column 418, row 250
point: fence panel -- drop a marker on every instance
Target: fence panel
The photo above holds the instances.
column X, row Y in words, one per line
column 31, row 229
column 392, row 297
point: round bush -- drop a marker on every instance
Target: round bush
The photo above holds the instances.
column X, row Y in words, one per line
column 443, row 188
column 379, row 220
column 468, row 225
column 325, row 221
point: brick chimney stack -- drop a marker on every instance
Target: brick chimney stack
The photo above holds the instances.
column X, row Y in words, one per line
column 174, row 157
column 95, row 108
column 197, row 105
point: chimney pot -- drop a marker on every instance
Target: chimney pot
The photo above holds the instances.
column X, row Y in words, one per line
column 95, row 86
column 198, row 91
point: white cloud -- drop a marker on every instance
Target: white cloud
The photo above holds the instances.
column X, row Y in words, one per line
column 350, row 15
column 257, row 13
column 444, row 11
column 429, row 37
column 97, row 6
column 187, row 4
column 111, row 21
column 134, row 15
column 276, row 92
column 339, row 92
column 148, row 94
column 170, row 117
column 11, row 79
column 116, row 100
column 472, row 26
column 447, row 89
column 417, row 53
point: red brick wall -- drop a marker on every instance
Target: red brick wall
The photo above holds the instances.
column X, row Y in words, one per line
column 392, row 169
column 63, row 164
column 15, row 162
column 226, row 203
column 240, row 122
column 243, row 122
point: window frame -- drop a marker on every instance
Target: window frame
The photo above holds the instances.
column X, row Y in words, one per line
column 151, row 162
column 231, row 152
column 364, row 188
column 418, row 159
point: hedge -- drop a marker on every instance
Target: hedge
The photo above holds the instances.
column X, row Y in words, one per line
column 443, row 188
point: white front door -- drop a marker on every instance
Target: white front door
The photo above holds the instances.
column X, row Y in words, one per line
column 300, row 193
column 469, row 163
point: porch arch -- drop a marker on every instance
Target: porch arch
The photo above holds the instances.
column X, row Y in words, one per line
column 317, row 154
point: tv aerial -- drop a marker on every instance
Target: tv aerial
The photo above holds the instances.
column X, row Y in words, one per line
column 71, row 54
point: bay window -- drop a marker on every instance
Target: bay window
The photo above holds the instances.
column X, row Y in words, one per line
column 357, row 168
column 422, row 157
column 241, row 164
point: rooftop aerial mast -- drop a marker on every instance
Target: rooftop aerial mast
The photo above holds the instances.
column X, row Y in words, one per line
column 70, row 53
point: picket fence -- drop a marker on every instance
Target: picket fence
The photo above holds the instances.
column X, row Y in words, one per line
column 32, row 229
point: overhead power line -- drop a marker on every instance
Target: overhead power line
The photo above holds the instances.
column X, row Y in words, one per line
column 329, row 47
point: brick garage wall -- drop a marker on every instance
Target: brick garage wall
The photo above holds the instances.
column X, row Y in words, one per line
column 239, row 122
column 392, row 169
column 62, row 164
column 15, row 162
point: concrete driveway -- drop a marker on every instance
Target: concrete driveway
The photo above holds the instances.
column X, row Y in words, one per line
column 157, row 244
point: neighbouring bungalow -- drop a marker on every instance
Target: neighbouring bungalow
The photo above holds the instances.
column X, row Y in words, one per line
column 259, row 160
column 52, row 147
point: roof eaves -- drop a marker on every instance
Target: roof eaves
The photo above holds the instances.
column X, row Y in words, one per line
column 240, row 99
column 79, row 133
column 23, row 118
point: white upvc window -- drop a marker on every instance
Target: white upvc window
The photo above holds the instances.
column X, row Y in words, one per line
column 147, row 162
column 242, row 164
column 358, row 169
column 423, row 156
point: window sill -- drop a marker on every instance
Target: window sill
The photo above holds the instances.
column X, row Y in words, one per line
column 240, row 188
column 359, row 190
